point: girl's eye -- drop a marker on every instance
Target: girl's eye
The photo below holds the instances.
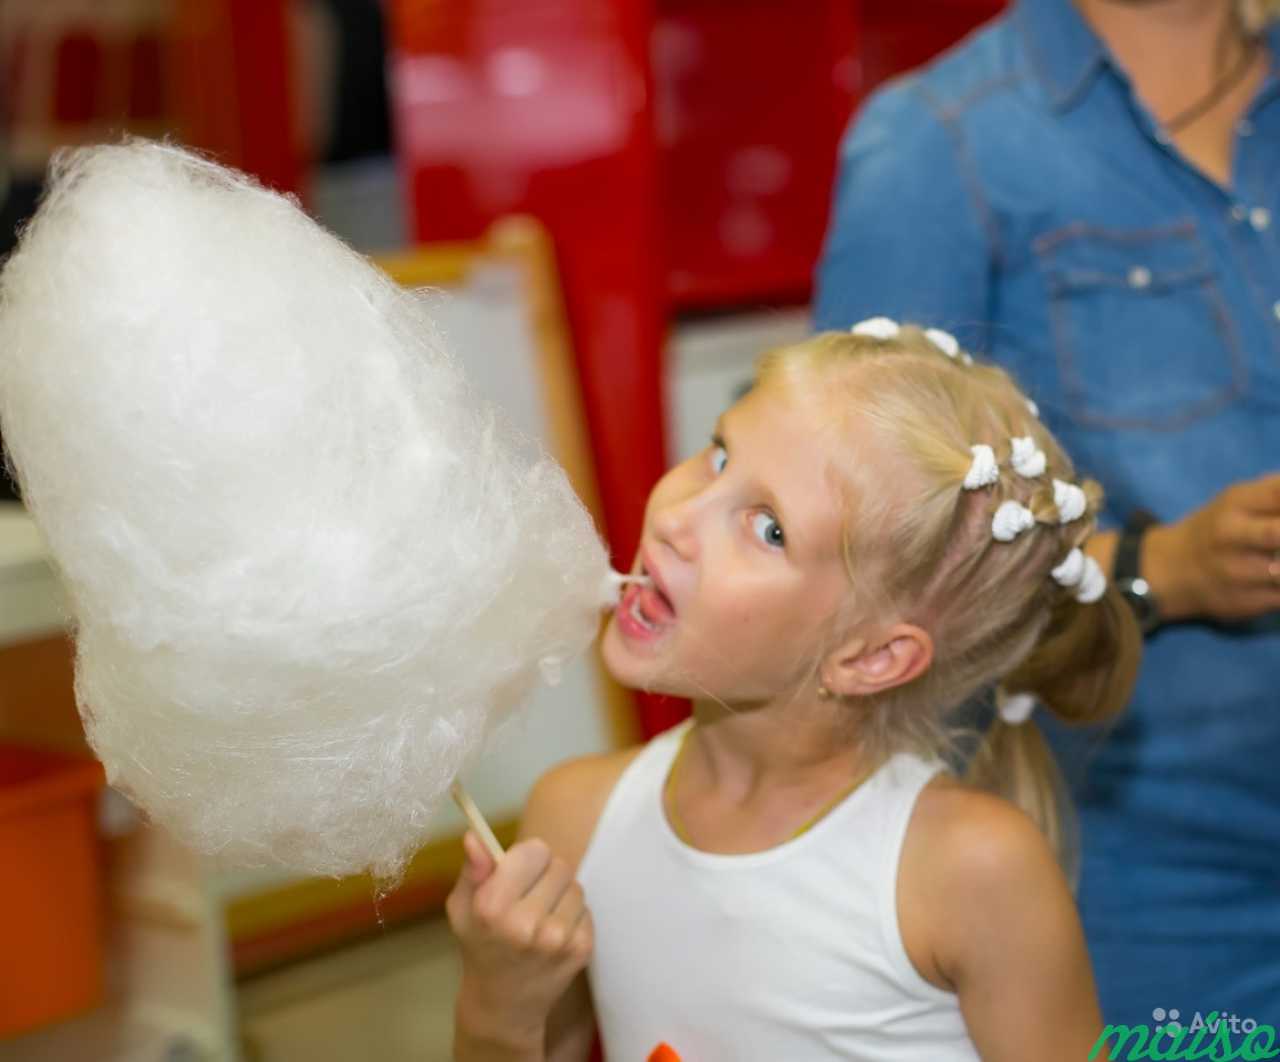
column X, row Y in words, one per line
column 719, row 458
column 768, row 529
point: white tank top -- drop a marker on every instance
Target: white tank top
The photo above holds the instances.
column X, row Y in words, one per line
column 792, row 954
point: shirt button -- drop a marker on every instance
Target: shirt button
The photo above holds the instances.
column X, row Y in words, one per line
column 1239, row 212
column 1275, row 309
column 1260, row 218
column 1139, row 277
column 1244, row 127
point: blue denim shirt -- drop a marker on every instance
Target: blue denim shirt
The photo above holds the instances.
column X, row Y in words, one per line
column 1017, row 193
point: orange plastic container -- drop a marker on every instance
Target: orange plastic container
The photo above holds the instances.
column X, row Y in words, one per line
column 51, row 950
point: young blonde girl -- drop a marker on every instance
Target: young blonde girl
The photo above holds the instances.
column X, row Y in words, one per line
column 817, row 865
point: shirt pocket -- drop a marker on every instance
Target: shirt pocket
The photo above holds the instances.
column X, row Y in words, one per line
column 1141, row 332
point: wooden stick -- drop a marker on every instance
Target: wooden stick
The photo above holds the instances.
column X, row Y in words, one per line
column 477, row 820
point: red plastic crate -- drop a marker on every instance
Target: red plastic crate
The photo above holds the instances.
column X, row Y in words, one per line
column 51, row 961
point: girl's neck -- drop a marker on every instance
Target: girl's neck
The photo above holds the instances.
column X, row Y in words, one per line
column 750, row 753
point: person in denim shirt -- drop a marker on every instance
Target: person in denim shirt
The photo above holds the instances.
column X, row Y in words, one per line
column 1089, row 193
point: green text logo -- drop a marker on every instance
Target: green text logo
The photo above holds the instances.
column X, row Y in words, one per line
column 1215, row 1038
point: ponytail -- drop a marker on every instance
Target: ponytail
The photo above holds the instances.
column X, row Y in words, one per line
column 1083, row 670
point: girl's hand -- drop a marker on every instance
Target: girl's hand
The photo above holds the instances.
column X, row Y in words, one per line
column 524, row 931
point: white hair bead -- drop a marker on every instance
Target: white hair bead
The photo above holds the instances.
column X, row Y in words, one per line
column 877, row 328
column 1093, row 584
column 1010, row 520
column 1070, row 501
column 1071, row 570
column 984, row 470
column 944, row 341
column 1028, row 459
column 1016, row 708
column 1033, row 409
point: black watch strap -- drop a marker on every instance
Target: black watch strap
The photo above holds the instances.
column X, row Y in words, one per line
column 1126, row 573
column 1126, row 562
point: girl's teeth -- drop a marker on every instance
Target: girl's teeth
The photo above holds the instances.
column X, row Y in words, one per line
column 639, row 617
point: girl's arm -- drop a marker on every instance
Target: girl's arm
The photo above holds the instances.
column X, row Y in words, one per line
column 571, row 1028
column 563, row 809
column 560, row 815
column 1006, row 934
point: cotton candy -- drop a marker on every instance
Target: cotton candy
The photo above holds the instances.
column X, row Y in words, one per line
column 311, row 571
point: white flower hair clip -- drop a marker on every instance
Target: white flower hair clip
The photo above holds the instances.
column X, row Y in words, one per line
column 1082, row 573
column 944, row 341
column 877, row 328
column 947, row 343
column 1070, row 501
column 1016, row 708
column 984, row 470
column 1010, row 520
column 1028, row 460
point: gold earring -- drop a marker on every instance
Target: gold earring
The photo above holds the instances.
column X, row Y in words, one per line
column 824, row 694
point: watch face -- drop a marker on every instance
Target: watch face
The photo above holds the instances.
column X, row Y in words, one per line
column 1138, row 595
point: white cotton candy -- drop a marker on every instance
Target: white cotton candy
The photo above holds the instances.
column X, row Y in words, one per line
column 311, row 571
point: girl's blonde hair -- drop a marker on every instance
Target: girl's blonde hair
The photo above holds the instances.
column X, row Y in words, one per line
column 918, row 547
column 1255, row 14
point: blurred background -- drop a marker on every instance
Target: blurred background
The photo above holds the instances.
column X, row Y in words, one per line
column 626, row 197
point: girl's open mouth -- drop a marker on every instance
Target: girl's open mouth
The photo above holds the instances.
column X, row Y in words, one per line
column 644, row 612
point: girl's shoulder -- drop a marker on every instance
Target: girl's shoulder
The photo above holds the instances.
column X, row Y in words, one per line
column 567, row 801
column 957, row 832
column 964, row 850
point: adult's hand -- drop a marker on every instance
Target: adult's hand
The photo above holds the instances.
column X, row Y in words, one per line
column 1222, row 561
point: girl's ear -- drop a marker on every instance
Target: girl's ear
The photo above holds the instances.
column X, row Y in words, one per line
column 894, row 657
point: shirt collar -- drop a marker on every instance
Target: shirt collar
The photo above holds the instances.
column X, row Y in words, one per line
column 1064, row 51
column 1066, row 54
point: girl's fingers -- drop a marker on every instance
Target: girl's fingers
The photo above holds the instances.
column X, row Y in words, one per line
column 570, row 909
column 559, row 932
column 521, row 868
column 480, row 864
column 541, row 900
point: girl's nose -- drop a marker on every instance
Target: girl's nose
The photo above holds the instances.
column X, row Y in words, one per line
column 675, row 524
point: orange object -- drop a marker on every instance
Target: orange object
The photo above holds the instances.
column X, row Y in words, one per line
column 663, row 1053
column 51, row 960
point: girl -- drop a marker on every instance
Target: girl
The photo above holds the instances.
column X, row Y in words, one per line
column 811, row 867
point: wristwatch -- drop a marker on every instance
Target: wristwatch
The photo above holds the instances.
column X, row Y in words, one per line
column 1126, row 575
